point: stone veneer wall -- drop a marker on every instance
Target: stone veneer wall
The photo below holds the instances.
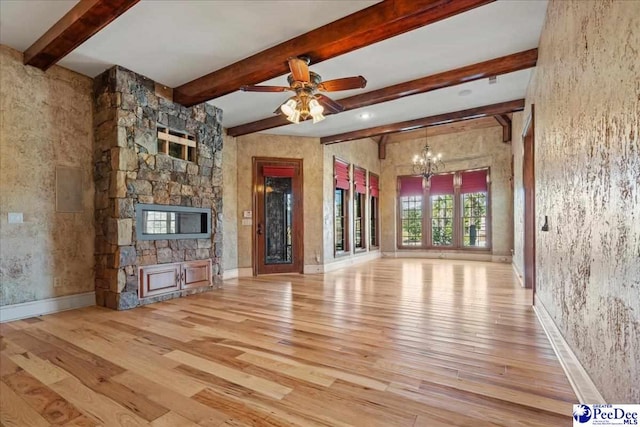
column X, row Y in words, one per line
column 586, row 93
column 129, row 170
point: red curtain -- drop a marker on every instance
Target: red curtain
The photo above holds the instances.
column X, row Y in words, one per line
column 373, row 185
column 474, row 182
column 278, row 171
column 441, row 184
column 410, row 186
column 341, row 170
column 360, row 180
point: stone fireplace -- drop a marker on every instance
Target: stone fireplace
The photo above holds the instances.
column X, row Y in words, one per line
column 130, row 172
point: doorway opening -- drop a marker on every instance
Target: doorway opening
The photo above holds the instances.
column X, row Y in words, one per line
column 529, row 184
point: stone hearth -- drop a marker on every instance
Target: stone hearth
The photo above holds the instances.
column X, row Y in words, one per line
column 128, row 170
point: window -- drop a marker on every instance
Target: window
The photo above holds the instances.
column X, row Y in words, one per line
column 341, row 206
column 411, row 211
column 359, row 214
column 441, row 191
column 474, row 208
column 373, row 210
column 450, row 212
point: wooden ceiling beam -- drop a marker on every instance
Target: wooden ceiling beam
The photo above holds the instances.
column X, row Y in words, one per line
column 381, row 21
column 505, row 122
column 382, row 146
column 409, row 125
column 83, row 21
column 494, row 67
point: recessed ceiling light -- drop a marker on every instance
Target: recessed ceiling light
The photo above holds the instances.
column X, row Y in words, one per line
column 464, row 92
column 365, row 116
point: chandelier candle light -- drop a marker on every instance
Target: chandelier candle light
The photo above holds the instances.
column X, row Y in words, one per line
column 426, row 163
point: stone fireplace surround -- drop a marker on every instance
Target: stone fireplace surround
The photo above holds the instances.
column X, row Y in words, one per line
column 129, row 170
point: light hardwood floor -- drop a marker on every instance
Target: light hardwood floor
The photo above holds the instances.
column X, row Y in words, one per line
column 392, row 342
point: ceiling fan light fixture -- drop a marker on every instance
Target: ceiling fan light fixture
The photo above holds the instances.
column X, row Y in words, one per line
column 315, row 107
column 318, row 117
column 289, row 107
column 294, row 117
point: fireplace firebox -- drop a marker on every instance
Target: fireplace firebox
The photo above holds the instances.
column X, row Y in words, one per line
column 162, row 222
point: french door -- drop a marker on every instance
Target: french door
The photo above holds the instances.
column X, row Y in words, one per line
column 277, row 225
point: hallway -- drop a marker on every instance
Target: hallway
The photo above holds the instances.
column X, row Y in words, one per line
column 393, row 342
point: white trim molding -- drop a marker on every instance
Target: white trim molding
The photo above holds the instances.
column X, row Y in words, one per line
column 351, row 260
column 580, row 381
column 46, row 306
column 519, row 276
column 237, row 272
column 452, row 255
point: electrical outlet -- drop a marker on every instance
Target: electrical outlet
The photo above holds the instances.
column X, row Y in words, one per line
column 15, row 218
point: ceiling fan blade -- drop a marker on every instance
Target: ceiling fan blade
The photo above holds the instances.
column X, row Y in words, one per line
column 299, row 69
column 357, row 82
column 264, row 88
column 329, row 104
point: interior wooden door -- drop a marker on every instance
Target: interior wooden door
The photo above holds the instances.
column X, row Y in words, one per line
column 528, row 178
column 278, row 208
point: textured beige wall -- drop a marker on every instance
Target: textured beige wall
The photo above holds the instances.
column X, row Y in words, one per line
column 263, row 145
column 229, row 203
column 517, row 123
column 586, row 92
column 462, row 150
column 45, row 121
column 362, row 153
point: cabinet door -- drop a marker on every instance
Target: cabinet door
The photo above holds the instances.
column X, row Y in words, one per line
column 159, row 279
column 196, row 274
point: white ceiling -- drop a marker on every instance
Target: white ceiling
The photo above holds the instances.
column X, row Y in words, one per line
column 174, row 42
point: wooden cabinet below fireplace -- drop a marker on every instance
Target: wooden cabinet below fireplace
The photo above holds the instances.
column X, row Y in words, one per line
column 164, row 278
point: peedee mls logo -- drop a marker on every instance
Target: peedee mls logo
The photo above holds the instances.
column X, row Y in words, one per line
column 606, row 415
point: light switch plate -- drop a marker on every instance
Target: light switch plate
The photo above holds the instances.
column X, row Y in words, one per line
column 15, row 218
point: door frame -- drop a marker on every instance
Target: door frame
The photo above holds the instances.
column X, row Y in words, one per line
column 298, row 211
column 529, row 186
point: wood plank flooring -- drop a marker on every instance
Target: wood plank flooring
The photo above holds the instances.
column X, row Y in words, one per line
column 394, row 342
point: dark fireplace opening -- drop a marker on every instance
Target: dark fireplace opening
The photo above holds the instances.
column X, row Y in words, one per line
column 162, row 222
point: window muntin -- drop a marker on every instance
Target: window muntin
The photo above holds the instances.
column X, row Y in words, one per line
column 411, row 220
column 359, row 241
column 452, row 211
column 442, row 220
column 340, row 219
column 474, row 219
column 373, row 221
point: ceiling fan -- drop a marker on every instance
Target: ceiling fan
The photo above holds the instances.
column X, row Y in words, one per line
column 305, row 83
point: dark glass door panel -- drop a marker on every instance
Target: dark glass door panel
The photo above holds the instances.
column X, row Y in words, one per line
column 278, row 220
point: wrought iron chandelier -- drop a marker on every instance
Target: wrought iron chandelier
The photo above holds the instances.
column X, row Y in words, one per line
column 427, row 163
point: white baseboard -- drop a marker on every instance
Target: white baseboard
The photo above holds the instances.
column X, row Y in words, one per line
column 580, row 381
column 46, row 306
column 237, row 272
column 452, row 255
column 518, row 274
column 230, row 274
column 351, row 260
column 313, row 269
